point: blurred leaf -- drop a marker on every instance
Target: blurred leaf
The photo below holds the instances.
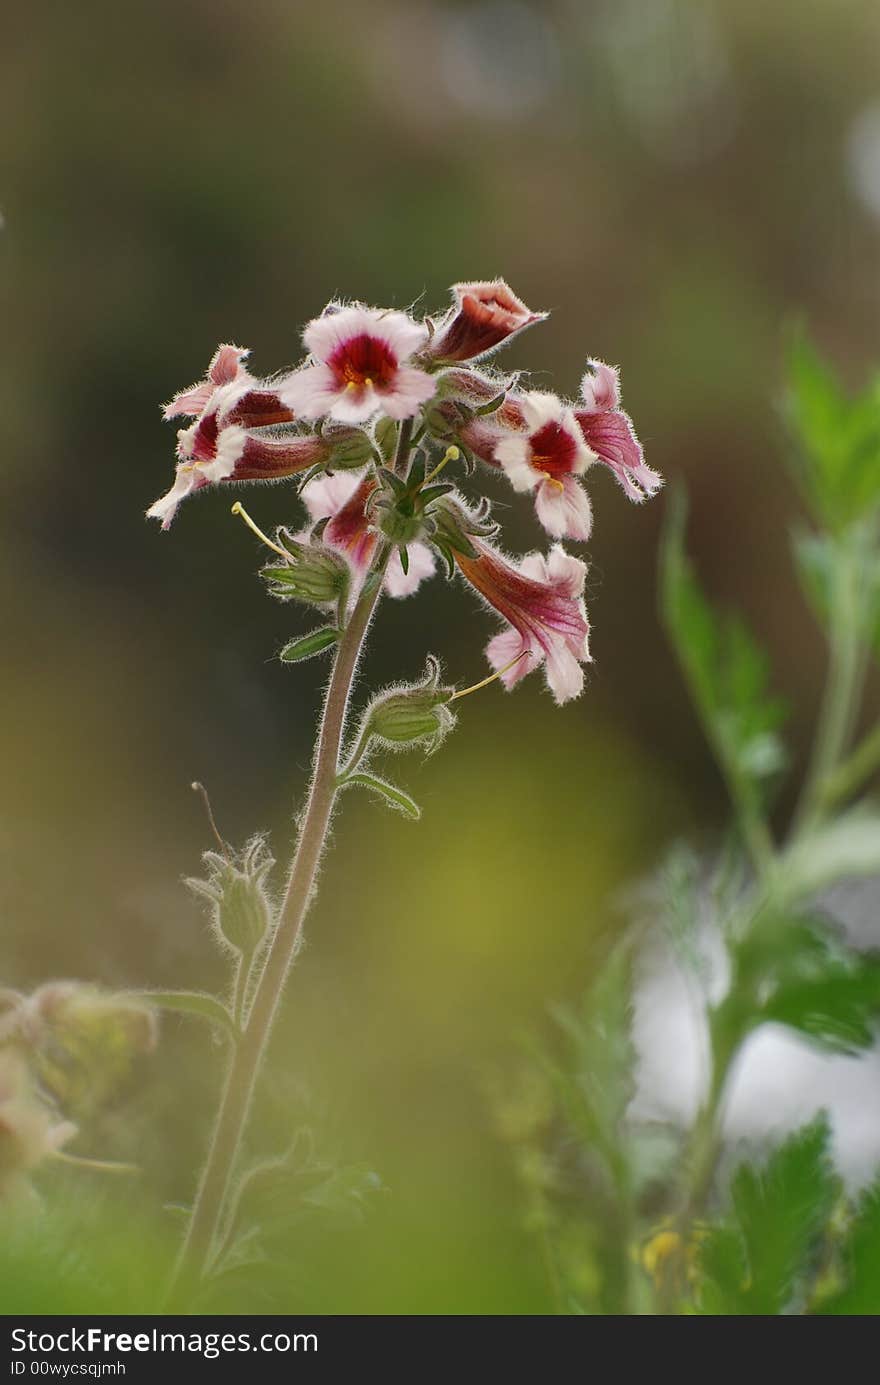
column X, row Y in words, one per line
column 839, row 462
column 277, row 1195
column 598, row 1080
column 861, row 1255
column 726, row 673
column 778, row 1216
column 797, row 972
column 197, row 1003
column 821, row 561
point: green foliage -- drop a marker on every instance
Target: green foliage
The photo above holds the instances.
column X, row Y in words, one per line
column 838, row 461
column 774, row 1235
column 596, row 1082
column 799, row 973
column 726, row 673
column 759, row 1260
column 859, row 1257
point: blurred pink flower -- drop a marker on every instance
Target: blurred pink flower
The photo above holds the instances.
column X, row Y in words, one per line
column 360, row 367
column 341, row 499
column 609, row 432
column 484, row 316
column 542, row 601
column 547, row 459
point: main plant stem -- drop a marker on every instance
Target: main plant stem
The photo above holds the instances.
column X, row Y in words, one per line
column 247, row 1059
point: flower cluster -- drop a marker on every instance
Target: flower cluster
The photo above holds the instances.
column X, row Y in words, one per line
column 380, row 406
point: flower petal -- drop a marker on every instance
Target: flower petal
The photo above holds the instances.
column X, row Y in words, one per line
column 563, row 507
column 421, row 566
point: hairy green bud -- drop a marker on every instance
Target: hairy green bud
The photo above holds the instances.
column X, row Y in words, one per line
column 235, row 889
column 314, row 573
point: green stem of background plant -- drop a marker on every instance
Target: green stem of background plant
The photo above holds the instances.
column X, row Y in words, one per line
column 848, row 657
column 249, row 1052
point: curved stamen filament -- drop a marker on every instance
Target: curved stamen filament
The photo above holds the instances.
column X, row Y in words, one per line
column 484, row 682
column 238, row 509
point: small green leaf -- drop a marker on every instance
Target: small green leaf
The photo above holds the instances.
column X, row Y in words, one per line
column 726, row 673
column 309, row 645
column 394, row 797
column 197, row 1003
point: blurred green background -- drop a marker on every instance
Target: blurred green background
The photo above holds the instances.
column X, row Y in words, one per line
column 675, row 180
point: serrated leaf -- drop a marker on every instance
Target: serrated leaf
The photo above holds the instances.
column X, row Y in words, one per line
column 726, row 672
column 393, row 796
column 197, row 1003
column 597, row 1081
column 861, row 1261
column 316, row 642
column 759, row 1263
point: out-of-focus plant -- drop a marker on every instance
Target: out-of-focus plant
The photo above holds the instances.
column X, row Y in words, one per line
column 375, row 421
column 64, row 1051
column 645, row 1218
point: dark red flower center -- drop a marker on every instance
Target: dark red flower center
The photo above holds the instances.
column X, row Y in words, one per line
column 363, row 361
column 554, row 450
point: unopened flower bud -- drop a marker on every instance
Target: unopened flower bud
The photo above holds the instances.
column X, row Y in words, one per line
column 405, row 716
column 351, row 448
column 386, row 437
column 235, row 888
column 314, row 573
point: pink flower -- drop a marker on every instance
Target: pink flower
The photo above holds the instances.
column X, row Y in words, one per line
column 210, row 452
column 485, row 315
column 360, row 367
column 341, row 499
column 230, row 391
column 546, row 459
column 609, row 432
column 542, row 601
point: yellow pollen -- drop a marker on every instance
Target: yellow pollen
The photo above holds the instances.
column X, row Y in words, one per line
column 555, row 483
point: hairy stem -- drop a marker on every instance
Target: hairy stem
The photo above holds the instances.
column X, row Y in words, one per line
column 249, row 1053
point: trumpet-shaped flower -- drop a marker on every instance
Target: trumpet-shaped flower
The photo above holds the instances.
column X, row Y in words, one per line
column 609, row 432
column 541, row 599
column 360, row 367
column 231, row 392
column 341, row 500
column 211, row 452
column 546, row 459
column 484, row 316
